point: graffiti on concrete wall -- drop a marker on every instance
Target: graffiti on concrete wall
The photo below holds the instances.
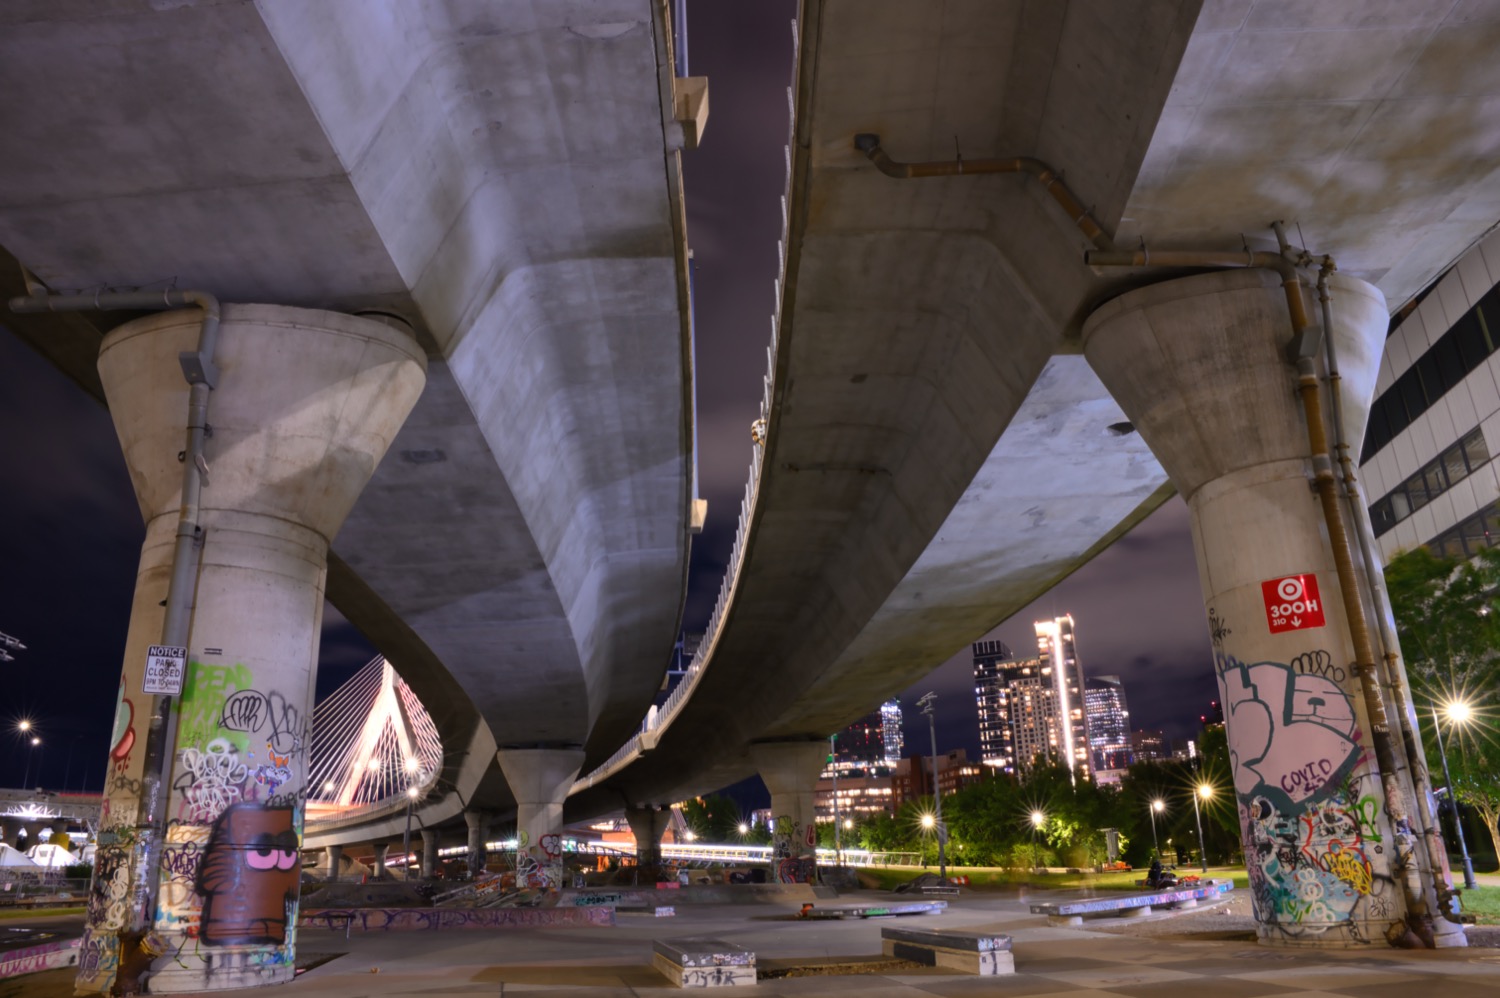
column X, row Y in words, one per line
column 230, row 860
column 793, row 851
column 1314, row 847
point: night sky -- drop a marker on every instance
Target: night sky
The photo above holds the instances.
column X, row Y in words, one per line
column 70, row 529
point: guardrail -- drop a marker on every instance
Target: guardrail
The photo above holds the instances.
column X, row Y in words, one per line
column 659, row 718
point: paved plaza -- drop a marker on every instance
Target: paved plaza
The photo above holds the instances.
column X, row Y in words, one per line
column 1207, row 953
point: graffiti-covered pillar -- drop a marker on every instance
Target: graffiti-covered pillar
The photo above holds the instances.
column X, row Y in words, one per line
column 429, row 853
column 304, row 406
column 1199, row 364
column 540, row 779
column 790, row 772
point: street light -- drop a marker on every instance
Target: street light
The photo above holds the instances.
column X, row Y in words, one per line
column 926, row 703
column 412, row 793
column 1458, row 712
column 1038, row 819
column 35, row 741
column 1157, row 806
column 1206, row 791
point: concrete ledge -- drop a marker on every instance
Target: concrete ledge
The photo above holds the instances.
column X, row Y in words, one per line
column 438, row 919
column 703, row 963
column 873, row 910
column 1132, row 903
column 34, row 952
column 985, row 954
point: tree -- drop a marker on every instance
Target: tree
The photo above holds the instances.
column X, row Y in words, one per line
column 1447, row 614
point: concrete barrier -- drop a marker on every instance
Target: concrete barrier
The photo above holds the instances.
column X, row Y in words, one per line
column 703, row 963
column 1129, row 905
column 34, row 952
column 987, row 954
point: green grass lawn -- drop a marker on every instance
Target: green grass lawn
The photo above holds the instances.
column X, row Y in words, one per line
column 981, row 878
column 1483, row 903
column 6, row 913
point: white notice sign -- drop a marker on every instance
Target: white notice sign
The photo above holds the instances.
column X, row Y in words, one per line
column 165, row 665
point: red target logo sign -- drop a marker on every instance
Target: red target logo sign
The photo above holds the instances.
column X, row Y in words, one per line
column 1292, row 603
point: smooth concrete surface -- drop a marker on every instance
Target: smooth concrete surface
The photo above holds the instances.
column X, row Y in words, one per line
column 615, row 962
column 306, row 404
column 648, row 825
column 1199, row 364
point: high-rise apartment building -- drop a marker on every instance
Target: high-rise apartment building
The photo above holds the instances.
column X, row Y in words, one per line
column 1034, row 707
column 992, row 660
column 1057, row 644
column 1108, row 722
column 893, row 739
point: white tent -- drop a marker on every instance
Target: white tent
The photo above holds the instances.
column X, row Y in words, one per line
column 48, row 854
column 11, row 856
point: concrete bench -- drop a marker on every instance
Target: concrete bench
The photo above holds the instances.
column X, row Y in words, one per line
column 1129, row 905
column 703, row 963
column 972, row 953
column 943, row 890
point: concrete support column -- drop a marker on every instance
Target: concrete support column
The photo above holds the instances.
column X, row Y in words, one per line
column 648, row 825
column 33, row 830
column 429, row 853
column 479, row 825
column 1199, row 365
column 790, row 772
column 333, row 859
column 305, row 405
column 540, row 780
column 381, row 849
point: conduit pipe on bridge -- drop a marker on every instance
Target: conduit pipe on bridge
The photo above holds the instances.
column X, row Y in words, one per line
column 198, row 368
column 1302, row 351
column 1050, row 179
column 1393, row 678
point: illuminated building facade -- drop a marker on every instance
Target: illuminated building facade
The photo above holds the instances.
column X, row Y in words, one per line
column 893, row 739
column 1108, row 722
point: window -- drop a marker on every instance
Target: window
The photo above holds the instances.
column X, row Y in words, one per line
column 1469, row 537
column 1447, row 362
column 1431, row 480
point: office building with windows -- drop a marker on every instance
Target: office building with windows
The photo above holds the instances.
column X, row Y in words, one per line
column 1057, row 647
column 993, row 665
column 1108, row 722
column 1425, row 463
column 893, row 739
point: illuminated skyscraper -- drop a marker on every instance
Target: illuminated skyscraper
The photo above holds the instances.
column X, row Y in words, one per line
column 892, row 737
column 992, row 666
column 1058, row 647
column 1108, row 722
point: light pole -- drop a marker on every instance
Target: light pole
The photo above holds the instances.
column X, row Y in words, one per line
column 1458, row 712
column 926, row 703
column 412, row 775
column 1038, row 819
column 833, row 765
column 1157, row 806
column 1205, row 791
column 30, row 754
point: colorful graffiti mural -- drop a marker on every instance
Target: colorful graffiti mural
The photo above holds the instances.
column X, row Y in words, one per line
column 1314, row 847
column 227, row 895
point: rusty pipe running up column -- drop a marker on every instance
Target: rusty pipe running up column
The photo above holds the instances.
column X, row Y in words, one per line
column 1333, row 516
column 1050, row 179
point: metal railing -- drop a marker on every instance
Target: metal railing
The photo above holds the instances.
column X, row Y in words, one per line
column 657, row 719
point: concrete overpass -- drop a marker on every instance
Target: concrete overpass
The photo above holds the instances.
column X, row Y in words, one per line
column 920, row 481
column 926, row 352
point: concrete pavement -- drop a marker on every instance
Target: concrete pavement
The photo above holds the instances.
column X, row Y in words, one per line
column 1058, row 962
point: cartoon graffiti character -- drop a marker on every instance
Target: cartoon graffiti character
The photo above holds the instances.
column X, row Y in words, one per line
column 248, row 876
